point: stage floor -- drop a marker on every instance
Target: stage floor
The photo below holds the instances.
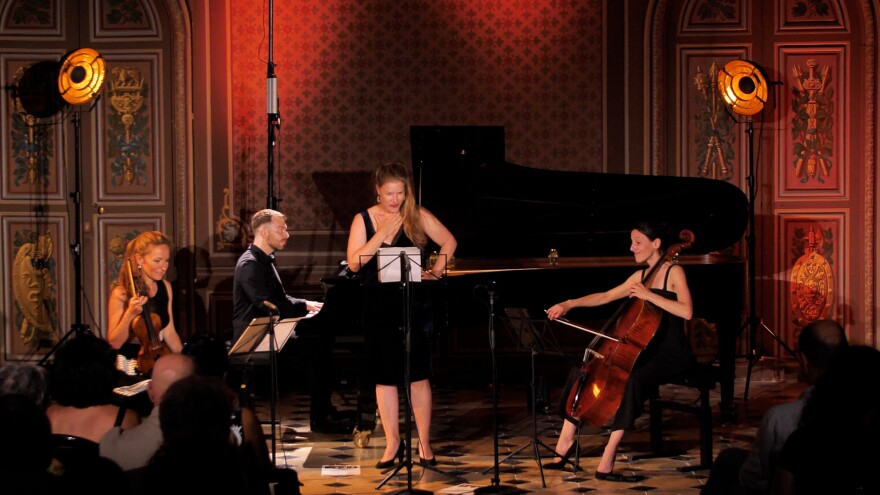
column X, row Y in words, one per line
column 462, row 438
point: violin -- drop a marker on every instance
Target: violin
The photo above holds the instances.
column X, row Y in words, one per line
column 596, row 394
column 145, row 327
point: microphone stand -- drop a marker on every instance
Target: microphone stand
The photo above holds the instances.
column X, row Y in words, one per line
column 496, row 488
column 273, row 370
column 274, row 119
column 406, row 289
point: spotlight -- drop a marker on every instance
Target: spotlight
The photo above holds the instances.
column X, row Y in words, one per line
column 743, row 87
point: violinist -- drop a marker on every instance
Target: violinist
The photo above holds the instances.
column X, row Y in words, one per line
column 147, row 258
column 667, row 356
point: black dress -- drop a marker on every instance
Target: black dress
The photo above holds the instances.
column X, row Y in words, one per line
column 667, row 357
column 383, row 308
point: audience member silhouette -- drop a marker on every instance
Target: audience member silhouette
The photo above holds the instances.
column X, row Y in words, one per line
column 27, row 379
column 81, row 381
column 212, row 360
column 133, row 447
column 25, row 447
column 198, row 453
column 739, row 471
column 834, row 448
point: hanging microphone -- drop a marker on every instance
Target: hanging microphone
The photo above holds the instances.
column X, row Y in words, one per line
column 271, row 307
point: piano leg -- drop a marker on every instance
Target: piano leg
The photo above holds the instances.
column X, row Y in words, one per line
column 728, row 331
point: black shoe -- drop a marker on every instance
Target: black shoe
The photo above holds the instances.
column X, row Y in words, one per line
column 619, row 478
column 559, row 466
column 332, row 426
column 401, row 450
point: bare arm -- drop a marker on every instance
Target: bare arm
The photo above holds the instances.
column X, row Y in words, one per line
column 683, row 307
column 595, row 299
column 442, row 237
column 360, row 249
column 120, row 312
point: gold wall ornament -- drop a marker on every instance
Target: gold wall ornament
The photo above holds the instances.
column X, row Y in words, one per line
column 813, row 107
column 713, row 136
column 229, row 229
column 30, row 137
column 34, row 288
column 812, row 283
column 126, row 96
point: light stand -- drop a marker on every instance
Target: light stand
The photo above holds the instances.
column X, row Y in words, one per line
column 406, row 290
column 274, row 119
column 79, row 80
column 753, row 322
column 743, row 87
column 496, row 488
column 78, row 326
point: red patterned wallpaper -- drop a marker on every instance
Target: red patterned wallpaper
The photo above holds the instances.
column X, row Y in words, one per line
column 353, row 76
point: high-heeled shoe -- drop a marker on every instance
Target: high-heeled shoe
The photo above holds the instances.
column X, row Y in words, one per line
column 560, row 465
column 618, row 478
column 401, row 449
column 426, row 461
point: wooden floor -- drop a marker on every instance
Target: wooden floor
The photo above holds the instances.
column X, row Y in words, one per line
column 463, row 441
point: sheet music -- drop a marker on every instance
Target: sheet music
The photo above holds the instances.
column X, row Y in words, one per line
column 389, row 263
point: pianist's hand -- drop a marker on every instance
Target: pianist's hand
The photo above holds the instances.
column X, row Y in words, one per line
column 314, row 306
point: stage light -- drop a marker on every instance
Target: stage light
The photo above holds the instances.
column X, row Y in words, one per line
column 81, row 76
column 743, row 87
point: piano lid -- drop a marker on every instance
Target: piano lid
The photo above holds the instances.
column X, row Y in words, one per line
column 498, row 209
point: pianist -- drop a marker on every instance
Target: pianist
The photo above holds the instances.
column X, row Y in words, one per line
column 257, row 291
column 396, row 221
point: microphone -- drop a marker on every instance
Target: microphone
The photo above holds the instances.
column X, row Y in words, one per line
column 271, row 307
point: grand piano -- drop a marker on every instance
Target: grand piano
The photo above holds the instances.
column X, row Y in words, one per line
column 507, row 218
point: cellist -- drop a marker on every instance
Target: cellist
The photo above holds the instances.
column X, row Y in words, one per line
column 667, row 356
column 150, row 255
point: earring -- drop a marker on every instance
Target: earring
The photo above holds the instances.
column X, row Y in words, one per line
column 378, row 199
column 140, row 267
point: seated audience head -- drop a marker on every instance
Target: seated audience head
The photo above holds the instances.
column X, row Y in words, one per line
column 27, row 379
column 196, row 410
column 25, row 441
column 168, row 369
column 84, row 372
column 209, row 353
column 818, row 343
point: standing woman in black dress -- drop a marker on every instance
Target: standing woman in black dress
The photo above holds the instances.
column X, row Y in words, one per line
column 396, row 221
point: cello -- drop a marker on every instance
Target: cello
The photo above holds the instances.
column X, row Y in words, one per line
column 609, row 359
column 144, row 327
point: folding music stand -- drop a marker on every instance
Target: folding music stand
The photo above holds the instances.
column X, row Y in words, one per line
column 260, row 337
column 395, row 266
column 528, row 337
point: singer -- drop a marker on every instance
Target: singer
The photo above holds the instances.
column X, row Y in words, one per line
column 258, row 291
column 397, row 221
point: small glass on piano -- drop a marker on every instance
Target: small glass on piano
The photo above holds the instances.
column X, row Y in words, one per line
column 553, row 257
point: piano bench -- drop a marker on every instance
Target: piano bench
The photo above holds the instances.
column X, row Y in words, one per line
column 701, row 377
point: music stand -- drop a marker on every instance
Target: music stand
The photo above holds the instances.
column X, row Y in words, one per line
column 528, row 337
column 496, row 488
column 260, row 337
column 387, row 259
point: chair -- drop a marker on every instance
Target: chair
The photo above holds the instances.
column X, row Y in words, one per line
column 702, row 377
